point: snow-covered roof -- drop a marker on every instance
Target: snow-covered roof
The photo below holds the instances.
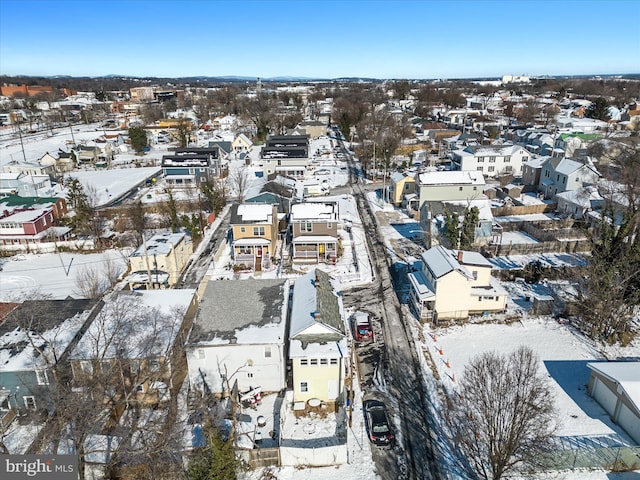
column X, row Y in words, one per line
column 313, row 211
column 454, row 177
column 255, row 212
column 160, row 244
column 45, row 325
column 139, row 324
column 568, row 166
column 316, row 312
column 625, row 374
column 256, row 316
column 25, row 216
column 582, row 196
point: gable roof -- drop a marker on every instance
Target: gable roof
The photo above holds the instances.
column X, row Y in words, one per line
column 315, row 311
column 453, row 177
column 250, row 213
column 256, row 315
column 441, row 261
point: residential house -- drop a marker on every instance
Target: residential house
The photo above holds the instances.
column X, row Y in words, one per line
column 224, row 147
column 491, row 160
column 314, row 128
column 25, row 229
column 254, row 229
column 450, row 185
column 452, row 284
column 563, row 174
column 97, row 155
column 286, row 155
column 159, row 261
column 35, row 336
column 531, row 172
column 32, row 169
column 241, row 144
column 16, row 203
column 314, row 232
column 614, row 385
column 133, row 347
column 239, row 337
column 318, row 348
column 402, row 189
column 579, row 202
column 191, row 166
column 25, row 185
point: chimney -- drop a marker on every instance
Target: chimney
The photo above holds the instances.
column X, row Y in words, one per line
column 460, row 256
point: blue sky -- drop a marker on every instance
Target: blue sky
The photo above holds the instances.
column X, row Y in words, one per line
column 326, row 39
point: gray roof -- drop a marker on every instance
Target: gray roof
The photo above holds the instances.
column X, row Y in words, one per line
column 315, row 303
column 441, row 261
column 230, row 306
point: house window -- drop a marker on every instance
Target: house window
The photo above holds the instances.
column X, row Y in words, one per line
column 249, row 375
column 267, row 352
column 564, row 180
column 508, row 168
column 304, row 361
column 314, row 361
column 479, row 169
column 329, row 226
column 154, row 364
column 460, row 188
column 507, row 159
column 258, row 231
column 475, row 274
column 480, row 159
column 524, row 159
column 492, row 159
column 304, row 387
column 41, row 376
column 323, row 361
column 201, row 354
column 333, row 361
column 86, row 366
column 243, row 230
column 306, row 227
column 475, row 188
column 491, row 168
column 558, row 178
column 29, row 402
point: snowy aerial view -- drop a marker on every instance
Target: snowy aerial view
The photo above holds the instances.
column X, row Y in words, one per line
column 250, row 255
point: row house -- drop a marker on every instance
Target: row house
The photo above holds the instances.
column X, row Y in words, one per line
column 286, row 155
column 491, row 160
column 191, row 166
column 159, row 261
column 25, row 185
column 254, row 228
column 452, row 284
column 25, row 229
column 314, row 232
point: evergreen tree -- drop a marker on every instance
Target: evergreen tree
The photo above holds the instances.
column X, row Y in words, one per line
column 138, row 137
column 174, row 221
column 216, row 460
column 599, row 109
column 451, row 228
column 468, row 231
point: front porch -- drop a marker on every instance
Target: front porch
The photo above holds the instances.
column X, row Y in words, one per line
column 314, row 249
column 253, row 253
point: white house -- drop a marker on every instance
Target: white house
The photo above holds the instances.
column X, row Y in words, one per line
column 491, row 160
column 239, row 336
column 563, row 174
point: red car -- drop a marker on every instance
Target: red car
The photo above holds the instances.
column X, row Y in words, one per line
column 362, row 327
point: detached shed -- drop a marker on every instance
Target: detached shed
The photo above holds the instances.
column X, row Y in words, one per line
column 616, row 387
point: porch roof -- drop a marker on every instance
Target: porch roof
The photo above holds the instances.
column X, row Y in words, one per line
column 315, row 239
column 251, row 241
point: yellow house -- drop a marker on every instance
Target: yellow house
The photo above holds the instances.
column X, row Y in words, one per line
column 317, row 341
column 255, row 234
column 454, row 284
column 400, row 187
column 163, row 256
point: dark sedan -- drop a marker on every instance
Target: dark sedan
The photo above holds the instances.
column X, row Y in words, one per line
column 378, row 427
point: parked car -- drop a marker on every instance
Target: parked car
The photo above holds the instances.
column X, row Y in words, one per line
column 362, row 328
column 377, row 422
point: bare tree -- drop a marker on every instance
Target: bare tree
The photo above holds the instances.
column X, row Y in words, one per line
column 239, row 181
column 504, row 415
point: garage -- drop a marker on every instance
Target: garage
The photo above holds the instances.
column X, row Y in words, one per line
column 616, row 387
